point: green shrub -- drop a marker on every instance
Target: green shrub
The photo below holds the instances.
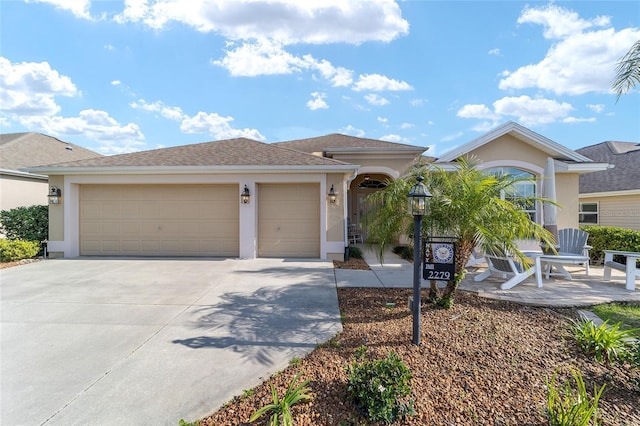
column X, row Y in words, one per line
column 604, row 342
column 404, row 252
column 380, row 388
column 355, row 252
column 610, row 238
column 25, row 223
column 281, row 408
column 569, row 407
column 12, row 250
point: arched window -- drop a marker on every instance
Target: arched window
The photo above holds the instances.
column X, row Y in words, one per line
column 521, row 190
column 372, row 184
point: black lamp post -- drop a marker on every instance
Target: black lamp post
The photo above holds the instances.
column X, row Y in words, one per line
column 418, row 197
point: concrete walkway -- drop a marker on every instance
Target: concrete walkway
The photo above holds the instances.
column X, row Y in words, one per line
column 583, row 290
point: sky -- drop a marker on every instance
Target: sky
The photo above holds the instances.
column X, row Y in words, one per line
column 124, row 76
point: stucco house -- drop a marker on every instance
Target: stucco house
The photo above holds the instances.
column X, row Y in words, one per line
column 20, row 188
column 612, row 197
column 244, row 198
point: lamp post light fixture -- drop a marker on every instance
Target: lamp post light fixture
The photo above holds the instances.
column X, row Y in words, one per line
column 418, row 198
column 245, row 196
column 332, row 195
column 54, row 195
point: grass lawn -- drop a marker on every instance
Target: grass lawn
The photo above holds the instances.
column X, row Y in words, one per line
column 628, row 314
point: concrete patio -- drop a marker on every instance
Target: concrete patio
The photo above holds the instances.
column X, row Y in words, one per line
column 582, row 290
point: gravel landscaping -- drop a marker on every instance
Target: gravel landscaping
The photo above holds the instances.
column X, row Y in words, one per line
column 483, row 362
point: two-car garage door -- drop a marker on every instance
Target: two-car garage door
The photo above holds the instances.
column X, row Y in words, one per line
column 159, row 220
column 197, row 220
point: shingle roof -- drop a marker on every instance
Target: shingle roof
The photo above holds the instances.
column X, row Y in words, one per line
column 230, row 152
column 625, row 156
column 21, row 150
column 339, row 141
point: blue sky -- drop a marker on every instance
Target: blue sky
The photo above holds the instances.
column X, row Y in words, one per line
column 118, row 77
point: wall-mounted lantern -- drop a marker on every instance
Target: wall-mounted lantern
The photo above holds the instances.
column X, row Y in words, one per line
column 245, row 196
column 55, row 194
column 332, row 195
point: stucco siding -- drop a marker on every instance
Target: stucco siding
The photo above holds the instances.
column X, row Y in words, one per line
column 16, row 191
column 508, row 148
column 567, row 197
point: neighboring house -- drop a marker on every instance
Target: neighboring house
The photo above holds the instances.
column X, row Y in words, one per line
column 248, row 199
column 19, row 188
column 612, row 197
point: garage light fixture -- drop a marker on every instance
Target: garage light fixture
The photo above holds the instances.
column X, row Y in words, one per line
column 245, row 196
column 332, row 195
column 54, row 195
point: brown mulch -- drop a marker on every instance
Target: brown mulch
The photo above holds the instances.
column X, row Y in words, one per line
column 4, row 265
column 352, row 263
column 482, row 362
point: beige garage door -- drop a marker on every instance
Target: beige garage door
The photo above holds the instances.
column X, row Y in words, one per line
column 159, row 220
column 289, row 220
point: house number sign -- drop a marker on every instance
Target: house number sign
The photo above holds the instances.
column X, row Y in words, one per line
column 439, row 259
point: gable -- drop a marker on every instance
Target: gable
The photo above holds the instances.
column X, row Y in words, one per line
column 509, row 148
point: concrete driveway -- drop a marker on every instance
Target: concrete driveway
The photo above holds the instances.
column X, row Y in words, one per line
column 149, row 341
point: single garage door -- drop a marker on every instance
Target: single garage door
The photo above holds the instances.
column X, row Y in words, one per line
column 159, row 220
column 289, row 220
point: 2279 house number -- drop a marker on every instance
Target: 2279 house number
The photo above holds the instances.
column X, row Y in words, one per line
column 438, row 275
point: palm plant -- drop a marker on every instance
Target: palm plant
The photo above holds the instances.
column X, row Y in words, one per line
column 628, row 71
column 466, row 204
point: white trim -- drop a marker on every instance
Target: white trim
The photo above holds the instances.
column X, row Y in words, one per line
column 18, row 173
column 55, row 246
column 514, row 164
column 609, row 193
column 552, row 148
column 562, row 167
column 178, row 170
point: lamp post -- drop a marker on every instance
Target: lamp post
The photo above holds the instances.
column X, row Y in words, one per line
column 418, row 197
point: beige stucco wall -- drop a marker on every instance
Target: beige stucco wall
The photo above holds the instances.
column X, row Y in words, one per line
column 621, row 211
column 398, row 164
column 507, row 147
column 336, row 214
column 17, row 191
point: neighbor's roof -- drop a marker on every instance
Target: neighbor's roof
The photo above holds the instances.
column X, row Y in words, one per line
column 335, row 143
column 22, row 150
column 227, row 154
column 625, row 156
column 553, row 149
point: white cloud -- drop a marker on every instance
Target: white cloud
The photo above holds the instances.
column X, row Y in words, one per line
column 530, row 111
column 79, row 8
column 287, row 21
column 113, row 137
column 212, row 123
column 395, row 138
column 526, row 110
column 116, row 83
column 559, row 22
column 406, row 125
column 572, row 120
column 217, row 126
column 378, row 83
column 494, row 52
column 582, row 61
column 596, row 107
column 480, row 111
column 374, row 99
column 30, row 88
column 172, row 113
column 383, row 120
column 263, row 57
column 350, row 130
column 317, row 102
column 417, row 102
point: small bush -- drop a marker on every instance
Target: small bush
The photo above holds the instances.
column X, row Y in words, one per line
column 610, row 238
column 380, row 388
column 404, row 252
column 355, row 252
column 569, row 407
column 12, row 250
column 25, row 223
column 604, row 342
